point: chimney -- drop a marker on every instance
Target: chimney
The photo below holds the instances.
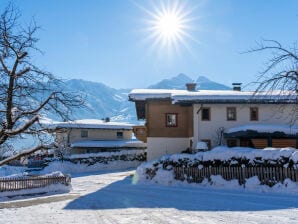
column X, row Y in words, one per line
column 191, row 86
column 237, row 86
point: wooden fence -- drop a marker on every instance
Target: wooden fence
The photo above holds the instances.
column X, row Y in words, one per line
column 20, row 183
column 266, row 175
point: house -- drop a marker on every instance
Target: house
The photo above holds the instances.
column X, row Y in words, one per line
column 92, row 136
column 177, row 120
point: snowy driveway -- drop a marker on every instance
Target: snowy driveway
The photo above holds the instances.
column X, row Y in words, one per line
column 112, row 198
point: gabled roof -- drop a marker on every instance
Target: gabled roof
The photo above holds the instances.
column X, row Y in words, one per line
column 214, row 96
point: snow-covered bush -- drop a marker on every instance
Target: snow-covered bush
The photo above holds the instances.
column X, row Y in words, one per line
column 91, row 162
column 220, row 157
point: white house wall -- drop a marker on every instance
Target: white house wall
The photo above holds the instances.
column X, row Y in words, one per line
column 268, row 114
column 157, row 147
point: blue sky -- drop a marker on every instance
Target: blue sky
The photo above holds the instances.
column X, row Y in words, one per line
column 106, row 41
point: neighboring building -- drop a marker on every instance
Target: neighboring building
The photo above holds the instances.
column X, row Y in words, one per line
column 92, row 136
column 177, row 120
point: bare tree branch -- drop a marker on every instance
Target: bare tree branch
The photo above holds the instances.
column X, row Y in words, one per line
column 26, row 91
column 280, row 73
column 26, row 153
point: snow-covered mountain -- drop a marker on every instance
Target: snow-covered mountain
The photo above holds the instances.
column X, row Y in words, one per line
column 101, row 101
column 178, row 82
column 104, row 101
column 207, row 84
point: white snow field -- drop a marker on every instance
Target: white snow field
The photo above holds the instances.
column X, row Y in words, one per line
column 113, row 198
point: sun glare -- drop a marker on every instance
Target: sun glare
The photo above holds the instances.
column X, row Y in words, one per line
column 168, row 26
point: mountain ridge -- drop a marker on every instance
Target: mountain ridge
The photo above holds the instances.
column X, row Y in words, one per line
column 105, row 101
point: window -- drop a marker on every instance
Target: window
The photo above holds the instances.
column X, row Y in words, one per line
column 171, row 120
column 84, row 134
column 119, row 134
column 231, row 142
column 206, row 114
column 254, row 114
column 231, row 114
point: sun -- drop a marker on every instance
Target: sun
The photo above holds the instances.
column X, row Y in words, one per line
column 168, row 25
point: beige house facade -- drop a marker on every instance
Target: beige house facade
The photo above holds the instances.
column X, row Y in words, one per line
column 92, row 136
column 177, row 120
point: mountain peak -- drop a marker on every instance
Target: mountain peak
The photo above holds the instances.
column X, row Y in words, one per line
column 202, row 79
column 179, row 81
column 176, row 82
column 182, row 77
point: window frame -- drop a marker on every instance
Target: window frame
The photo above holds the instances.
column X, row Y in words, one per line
column 257, row 113
column 176, row 120
column 84, row 134
column 235, row 110
column 209, row 114
column 119, row 136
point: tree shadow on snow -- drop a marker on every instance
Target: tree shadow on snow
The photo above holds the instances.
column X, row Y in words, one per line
column 124, row 194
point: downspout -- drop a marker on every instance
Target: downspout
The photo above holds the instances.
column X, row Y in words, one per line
column 197, row 125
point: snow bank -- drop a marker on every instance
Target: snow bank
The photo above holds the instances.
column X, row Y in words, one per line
column 91, row 162
column 54, row 188
column 253, row 184
column 72, row 168
column 12, row 171
column 161, row 171
column 239, row 155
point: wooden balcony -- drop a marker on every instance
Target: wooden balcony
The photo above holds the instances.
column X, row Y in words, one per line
column 140, row 132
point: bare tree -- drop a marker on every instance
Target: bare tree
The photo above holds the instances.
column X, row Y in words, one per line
column 280, row 73
column 26, row 91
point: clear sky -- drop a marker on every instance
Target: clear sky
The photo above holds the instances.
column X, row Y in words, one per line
column 109, row 41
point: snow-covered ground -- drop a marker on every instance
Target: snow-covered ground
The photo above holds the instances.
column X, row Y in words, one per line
column 113, row 198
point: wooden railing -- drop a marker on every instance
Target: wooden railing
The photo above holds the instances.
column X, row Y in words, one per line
column 266, row 175
column 20, row 183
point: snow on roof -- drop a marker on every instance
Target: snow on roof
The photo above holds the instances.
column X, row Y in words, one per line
column 109, row 144
column 90, row 123
column 143, row 94
column 266, row 128
column 210, row 95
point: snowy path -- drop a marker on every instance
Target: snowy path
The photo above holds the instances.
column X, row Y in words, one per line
column 111, row 198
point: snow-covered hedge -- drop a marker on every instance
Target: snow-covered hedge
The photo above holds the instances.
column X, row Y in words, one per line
column 91, row 162
column 237, row 156
column 106, row 157
column 161, row 171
